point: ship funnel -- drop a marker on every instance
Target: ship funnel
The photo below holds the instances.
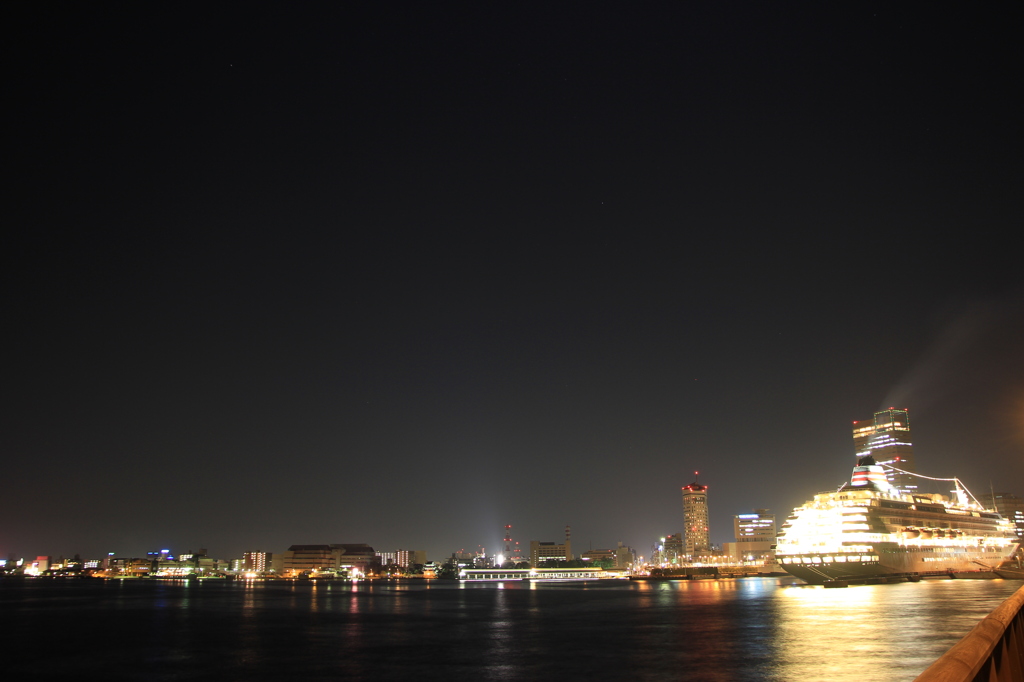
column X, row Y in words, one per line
column 870, row 476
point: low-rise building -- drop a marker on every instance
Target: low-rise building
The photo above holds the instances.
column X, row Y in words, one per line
column 309, row 559
column 541, row 551
column 620, row 557
column 755, row 535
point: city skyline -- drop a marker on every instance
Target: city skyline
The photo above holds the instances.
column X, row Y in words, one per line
column 343, row 274
column 746, row 527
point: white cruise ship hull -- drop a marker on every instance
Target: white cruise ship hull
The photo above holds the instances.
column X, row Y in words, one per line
column 895, row 562
column 868, row 529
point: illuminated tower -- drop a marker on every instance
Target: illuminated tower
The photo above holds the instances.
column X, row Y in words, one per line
column 695, row 518
column 887, row 439
column 507, row 554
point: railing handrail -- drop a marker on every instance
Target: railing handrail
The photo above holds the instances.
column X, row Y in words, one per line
column 992, row 650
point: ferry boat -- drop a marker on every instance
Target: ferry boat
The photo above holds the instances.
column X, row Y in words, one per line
column 869, row 529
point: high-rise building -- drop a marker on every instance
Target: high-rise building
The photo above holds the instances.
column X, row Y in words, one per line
column 886, row 438
column 696, row 539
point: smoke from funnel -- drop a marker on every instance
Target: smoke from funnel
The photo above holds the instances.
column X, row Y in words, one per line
column 933, row 375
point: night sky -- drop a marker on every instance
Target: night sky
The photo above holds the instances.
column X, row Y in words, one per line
column 404, row 273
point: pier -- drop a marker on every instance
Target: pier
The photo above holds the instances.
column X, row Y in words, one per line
column 991, row 652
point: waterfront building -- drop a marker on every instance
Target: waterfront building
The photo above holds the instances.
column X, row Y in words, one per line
column 540, row 551
column 537, row 574
column 696, row 537
column 256, row 561
column 755, row 534
column 39, row 566
column 625, row 556
column 407, row 558
column 129, row 566
column 673, row 549
column 358, row 556
column 193, row 556
column 207, row 564
column 604, row 557
column 886, row 438
column 620, row 557
column 299, row 559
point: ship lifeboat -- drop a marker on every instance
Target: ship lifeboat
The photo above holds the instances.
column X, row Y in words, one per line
column 940, row 533
column 911, row 533
column 926, row 534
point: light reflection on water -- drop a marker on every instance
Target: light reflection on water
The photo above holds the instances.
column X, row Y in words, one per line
column 750, row 629
column 899, row 629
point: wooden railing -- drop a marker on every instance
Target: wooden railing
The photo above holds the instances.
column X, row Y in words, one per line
column 992, row 652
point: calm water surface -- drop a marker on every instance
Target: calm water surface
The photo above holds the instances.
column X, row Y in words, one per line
column 750, row 629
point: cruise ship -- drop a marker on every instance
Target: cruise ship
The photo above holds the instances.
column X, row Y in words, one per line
column 869, row 529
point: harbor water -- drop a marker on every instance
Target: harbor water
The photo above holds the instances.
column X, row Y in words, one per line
column 744, row 629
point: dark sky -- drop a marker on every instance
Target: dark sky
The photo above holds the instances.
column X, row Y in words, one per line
column 403, row 273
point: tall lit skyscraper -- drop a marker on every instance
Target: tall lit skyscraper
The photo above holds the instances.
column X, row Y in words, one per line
column 695, row 519
column 887, row 439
